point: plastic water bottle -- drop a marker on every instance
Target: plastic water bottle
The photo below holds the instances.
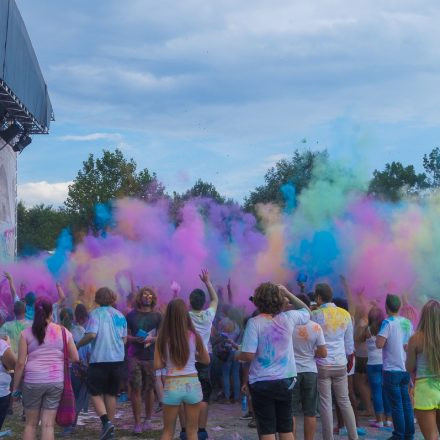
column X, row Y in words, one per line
column 244, row 405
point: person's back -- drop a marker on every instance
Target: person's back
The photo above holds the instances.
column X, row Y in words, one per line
column 306, row 338
column 13, row 329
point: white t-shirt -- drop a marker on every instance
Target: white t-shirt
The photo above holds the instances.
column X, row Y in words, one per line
column 5, row 377
column 270, row 338
column 306, row 338
column 203, row 323
column 397, row 330
column 374, row 353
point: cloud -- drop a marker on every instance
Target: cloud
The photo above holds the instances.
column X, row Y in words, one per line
column 33, row 193
column 91, row 137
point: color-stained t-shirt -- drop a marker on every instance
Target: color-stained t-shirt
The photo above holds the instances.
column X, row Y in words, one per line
column 5, row 377
column 396, row 330
column 338, row 333
column 45, row 362
column 306, row 338
column 13, row 329
column 202, row 321
column 270, row 338
column 110, row 327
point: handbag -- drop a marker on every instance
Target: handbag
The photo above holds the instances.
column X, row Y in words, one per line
column 66, row 412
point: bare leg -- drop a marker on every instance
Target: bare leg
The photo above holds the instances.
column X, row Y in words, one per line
column 428, row 424
column 362, row 386
column 30, row 427
column 169, row 421
column 136, row 405
column 192, row 420
column 98, row 403
column 110, row 404
column 149, row 403
column 309, row 428
column 48, row 423
column 285, row 436
column 203, row 416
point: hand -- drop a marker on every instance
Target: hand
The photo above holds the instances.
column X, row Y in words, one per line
column 16, row 394
column 6, row 339
column 283, row 289
column 140, row 340
column 350, row 360
column 149, row 340
column 245, row 389
column 175, row 287
column 204, row 276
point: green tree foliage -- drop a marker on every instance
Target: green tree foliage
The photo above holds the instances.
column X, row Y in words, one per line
column 297, row 171
column 104, row 179
column 431, row 164
column 39, row 227
column 396, row 181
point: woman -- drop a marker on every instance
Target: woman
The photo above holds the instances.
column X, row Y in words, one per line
column 41, row 361
column 423, row 359
column 267, row 345
column 7, row 362
column 178, row 348
column 381, row 405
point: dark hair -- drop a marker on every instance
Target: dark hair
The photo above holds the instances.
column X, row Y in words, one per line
column 304, row 298
column 19, row 308
column 81, row 314
column 324, row 291
column 105, row 296
column 341, row 302
column 375, row 318
column 393, row 303
column 66, row 317
column 197, row 299
column 268, row 298
column 43, row 311
column 30, row 298
column 139, row 294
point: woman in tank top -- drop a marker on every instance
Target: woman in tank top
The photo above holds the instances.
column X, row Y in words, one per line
column 177, row 349
column 423, row 358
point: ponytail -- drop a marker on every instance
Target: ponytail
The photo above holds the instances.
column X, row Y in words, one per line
column 43, row 311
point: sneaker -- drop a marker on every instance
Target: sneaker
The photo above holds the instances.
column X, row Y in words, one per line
column 107, row 431
column 361, row 431
column 375, row 424
column 252, row 424
column 137, row 429
column 247, row 416
column 202, row 435
column 389, row 424
column 147, row 426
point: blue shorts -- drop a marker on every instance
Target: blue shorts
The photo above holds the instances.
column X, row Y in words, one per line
column 182, row 389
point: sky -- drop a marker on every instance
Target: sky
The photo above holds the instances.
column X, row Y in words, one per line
column 222, row 90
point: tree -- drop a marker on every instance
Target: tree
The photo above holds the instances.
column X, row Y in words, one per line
column 203, row 189
column 296, row 171
column 431, row 164
column 104, row 179
column 395, row 181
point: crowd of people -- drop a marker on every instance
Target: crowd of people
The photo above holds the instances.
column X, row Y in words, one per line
column 285, row 356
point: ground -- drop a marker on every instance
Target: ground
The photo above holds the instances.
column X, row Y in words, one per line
column 224, row 424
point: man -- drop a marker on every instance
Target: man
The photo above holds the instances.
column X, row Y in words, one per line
column 142, row 323
column 393, row 338
column 202, row 320
column 332, row 370
column 107, row 331
column 308, row 343
column 14, row 328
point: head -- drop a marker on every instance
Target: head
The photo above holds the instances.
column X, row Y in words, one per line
column 323, row 293
column 341, row 302
column 66, row 317
column 226, row 325
column 305, row 299
column 81, row 314
column 268, row 298
column 42, row 317
column 197, row 299
column 30, row 299
column 105, row 297
column 375, row 318
column 392, row 304
column 146, row 297
column 19, row 309
column 429, row 326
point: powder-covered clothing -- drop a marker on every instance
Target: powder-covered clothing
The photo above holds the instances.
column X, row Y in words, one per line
column 338, row 333
column 270, row 338
column 374, row 354
column 306, row 338
column 45, row 362
column 422, row 370
column 202, row 321
column 396, row 330
column 5, row 377
column 78, row 331
column 190, row 367
column 13, row 329
column 148, row 322
column 110, row 326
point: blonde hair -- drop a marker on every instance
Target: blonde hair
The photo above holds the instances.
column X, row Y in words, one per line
column 429, row 326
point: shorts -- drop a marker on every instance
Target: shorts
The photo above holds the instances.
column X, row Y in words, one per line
column 182, row 389
column 360, row 365
column 205, row 381
column 427, row 394
column 42, row 395
column 272, row 403
column 305, row 394
column 141, row 375
column 104, row 378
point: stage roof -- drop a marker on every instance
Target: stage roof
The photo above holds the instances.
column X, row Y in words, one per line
column 23, row 91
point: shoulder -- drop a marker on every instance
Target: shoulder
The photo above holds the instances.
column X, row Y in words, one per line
column 3, row 346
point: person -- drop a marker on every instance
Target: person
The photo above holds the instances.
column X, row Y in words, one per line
column 202, row 321
column 308, row 343
column 177, row 349
column 142, row 324
column 107, row 332
column 375, row 369
column 267, row 344
column 393, row 338
column 29, row 297
column 14, row 328
column 7, row 362
column 423, row 359
column 41, row 362
column 332, row 370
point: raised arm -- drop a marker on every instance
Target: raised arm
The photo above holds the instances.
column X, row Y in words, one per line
column 296, row 302
column 61, row 295
column 11, row 287
column 204, row 276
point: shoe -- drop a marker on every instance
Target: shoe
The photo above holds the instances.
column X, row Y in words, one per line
column 375, row 424
column 389, row 424
column 247, row 416
column 137, row 429
column 252, row 424
column 183, row 435
column 68, row 431
column 202, row 435
column 107, row 431
column 147, row 426
column 343, row 431
column 361, row 431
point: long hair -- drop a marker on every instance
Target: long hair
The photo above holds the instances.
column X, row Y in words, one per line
column 138, row 299
column 173, row 337
column 66, row 317
column 429, row 326
column 375, row 318
column 43, row 311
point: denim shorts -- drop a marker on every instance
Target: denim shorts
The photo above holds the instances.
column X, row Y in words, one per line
column 182, row 389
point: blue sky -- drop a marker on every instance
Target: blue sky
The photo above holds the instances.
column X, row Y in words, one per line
column 222, row 90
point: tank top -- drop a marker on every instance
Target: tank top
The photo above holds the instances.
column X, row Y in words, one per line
column 190, row 367
column 422, row 369
column 374, row 353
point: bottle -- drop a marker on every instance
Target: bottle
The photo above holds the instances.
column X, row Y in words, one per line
column 244, row 405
